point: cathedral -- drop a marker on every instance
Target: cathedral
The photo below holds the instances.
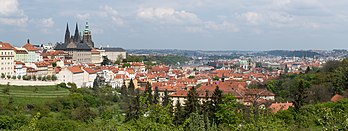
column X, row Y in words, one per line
column 76, row 38
column 79, row 49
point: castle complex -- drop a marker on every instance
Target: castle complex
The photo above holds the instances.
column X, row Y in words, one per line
column 80, row 47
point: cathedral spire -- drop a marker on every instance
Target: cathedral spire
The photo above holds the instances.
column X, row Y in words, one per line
column 77, row 34
column 67, row 34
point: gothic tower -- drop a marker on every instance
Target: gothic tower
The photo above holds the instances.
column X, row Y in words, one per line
column 67, row 34
column 77, row 38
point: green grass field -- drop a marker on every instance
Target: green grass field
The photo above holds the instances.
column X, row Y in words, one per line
column 31, row 94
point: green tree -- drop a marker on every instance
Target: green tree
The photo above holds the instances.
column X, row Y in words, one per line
column 2, row 75
column 228, row 113
column 191, row 77
column 43, row 78
column 179, row 115
column 19, row 77
column 8, row 76
column 29, row 77
column 156, row 96
column 54, row 64
column 54, row 77
column 134, row 109
column 216, row 100
column 106, row 61
column 300, row 94
column 166, row 99
column 148, row 93
column 216, row 78
column 49, row 77
column 125, row 98
column 39, row 78
column 13, row 77
column 308, row 69
column 192, row 103
column 83, row 113
column 34, row 77
column 131, row 88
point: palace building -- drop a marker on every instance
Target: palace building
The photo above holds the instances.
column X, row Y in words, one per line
column 79, row 48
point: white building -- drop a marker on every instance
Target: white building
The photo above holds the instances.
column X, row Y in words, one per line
column 20, row 69
column 6, row 59
column 89, row 76
column 73, row 74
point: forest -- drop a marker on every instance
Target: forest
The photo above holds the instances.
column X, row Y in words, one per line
column 105, row 108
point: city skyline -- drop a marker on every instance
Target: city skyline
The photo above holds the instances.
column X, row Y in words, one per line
column 193, row 25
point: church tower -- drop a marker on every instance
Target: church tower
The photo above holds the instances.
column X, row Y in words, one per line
column 67, row 34
column 77, row 38
column 87, row 36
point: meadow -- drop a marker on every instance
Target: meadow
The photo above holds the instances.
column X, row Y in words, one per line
column 22, row 95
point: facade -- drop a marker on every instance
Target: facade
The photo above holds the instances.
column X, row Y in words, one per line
column 33, row 53
column 114, row 54
column 89, row 76
column 7, row 59
column 20, row 69
column 20, row 54
column 73, row 74
column 96, row 56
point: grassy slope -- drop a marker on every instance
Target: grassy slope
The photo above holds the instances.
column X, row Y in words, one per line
column 26, row 95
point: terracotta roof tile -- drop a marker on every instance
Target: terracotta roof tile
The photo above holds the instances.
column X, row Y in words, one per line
column 30, row 47
column 75, row 69
column 336, row 97
column 5, row 46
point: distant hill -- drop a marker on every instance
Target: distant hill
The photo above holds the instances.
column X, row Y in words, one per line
column 286, row 53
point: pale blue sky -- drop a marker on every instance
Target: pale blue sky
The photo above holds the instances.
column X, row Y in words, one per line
column 182, row 24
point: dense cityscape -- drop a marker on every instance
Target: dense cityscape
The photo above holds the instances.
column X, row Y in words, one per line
column 78, row 83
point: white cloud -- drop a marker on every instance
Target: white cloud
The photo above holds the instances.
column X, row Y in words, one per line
column 190, row 21
column 9, row 8
column 108, row 11
column 167, row 15
column 46, row 22
column 84, row 16
column 10, row 14
column 224, row 26
column 252, row 17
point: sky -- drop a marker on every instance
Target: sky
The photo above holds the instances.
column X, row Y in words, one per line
column 182, row 24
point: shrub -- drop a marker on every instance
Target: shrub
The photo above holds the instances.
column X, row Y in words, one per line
column 19, row 77
column 29, row 78
column 54, row 77
column 49, row 77
column 34, row 77
column 39, row 78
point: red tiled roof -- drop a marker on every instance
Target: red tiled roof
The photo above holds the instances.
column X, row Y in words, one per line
column 75, row 69
column 30, row 47
column 5, row 46
column 275, row 107
column 89, row 70
column 179, row 93
column 42, row 64
column 336, row 97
